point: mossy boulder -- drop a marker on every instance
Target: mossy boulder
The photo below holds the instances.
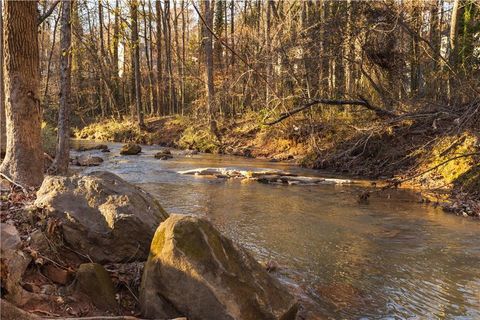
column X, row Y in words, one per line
column 196, row 272
column 102, row 215
column 130, row 149
column 94, row 281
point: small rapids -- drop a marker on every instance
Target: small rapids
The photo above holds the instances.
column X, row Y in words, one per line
column 390, row 257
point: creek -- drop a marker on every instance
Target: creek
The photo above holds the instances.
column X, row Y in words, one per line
column 390, row 258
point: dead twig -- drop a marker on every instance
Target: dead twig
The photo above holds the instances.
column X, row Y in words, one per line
column 24, row 189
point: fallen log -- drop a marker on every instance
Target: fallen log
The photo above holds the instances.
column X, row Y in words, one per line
column 381, row 113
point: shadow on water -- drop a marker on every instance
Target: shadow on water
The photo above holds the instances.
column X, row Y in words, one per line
column 393, row 258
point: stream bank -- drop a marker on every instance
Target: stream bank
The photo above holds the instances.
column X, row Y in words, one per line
column 411, row 155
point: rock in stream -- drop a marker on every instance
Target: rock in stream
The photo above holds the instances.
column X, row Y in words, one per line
column 266, row 176
column 196, row 272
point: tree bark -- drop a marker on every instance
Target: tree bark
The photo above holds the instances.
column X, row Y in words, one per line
column 160, row 100
column 62, row 156
column 136, row 63
column 23, row 161
column 3, row 132
column 207, row 45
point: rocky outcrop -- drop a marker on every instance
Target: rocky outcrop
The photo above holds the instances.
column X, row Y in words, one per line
column 94, row 281
column 196, row 272
column 101, row 215
column 130, row 149
column 13, row 263
column 87, row 161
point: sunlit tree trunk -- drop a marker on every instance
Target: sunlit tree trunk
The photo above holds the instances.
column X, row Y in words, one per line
column 24, row 155
column 160, row 84
column 60, row 164
column 152, row 73
column 208, row 52
column 136, row 63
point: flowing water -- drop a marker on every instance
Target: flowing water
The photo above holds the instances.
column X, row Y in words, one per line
column 392, row 258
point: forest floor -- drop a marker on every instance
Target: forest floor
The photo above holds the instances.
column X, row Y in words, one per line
column 434, row 157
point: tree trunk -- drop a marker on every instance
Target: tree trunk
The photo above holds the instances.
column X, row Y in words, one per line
column 207, row 45
column 149, row 90
column 160, row 106
column 3, row 132
column 136, row 64
column 415, row 47
column 24, row 155
column 453, row 40
column 152, row 73
column 268, row 41
column 116, row 37
column 232, row 30
column 101, row 56
column 62, row 156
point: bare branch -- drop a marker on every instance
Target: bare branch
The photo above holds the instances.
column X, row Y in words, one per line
column 47, row 13
column 381, row 113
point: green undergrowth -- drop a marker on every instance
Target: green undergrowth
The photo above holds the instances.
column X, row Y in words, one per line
column 118, row 131
column 200, row 139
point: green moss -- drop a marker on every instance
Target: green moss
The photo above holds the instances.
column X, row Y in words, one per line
column 158, row 242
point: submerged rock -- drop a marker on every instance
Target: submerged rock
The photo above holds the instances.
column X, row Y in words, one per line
column 266, row 176
column 95, row 282
column 163, row 155
column 87, row 161
column 102, row 215
column 102, row 147
column 130, row 149
column 196, row 272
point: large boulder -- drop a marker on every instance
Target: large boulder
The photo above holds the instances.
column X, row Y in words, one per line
column 102, row 216
column 195, row 271
column 130, row 149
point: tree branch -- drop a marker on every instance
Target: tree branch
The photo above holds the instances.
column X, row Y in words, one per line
column 381, row 113
column 47, row 13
